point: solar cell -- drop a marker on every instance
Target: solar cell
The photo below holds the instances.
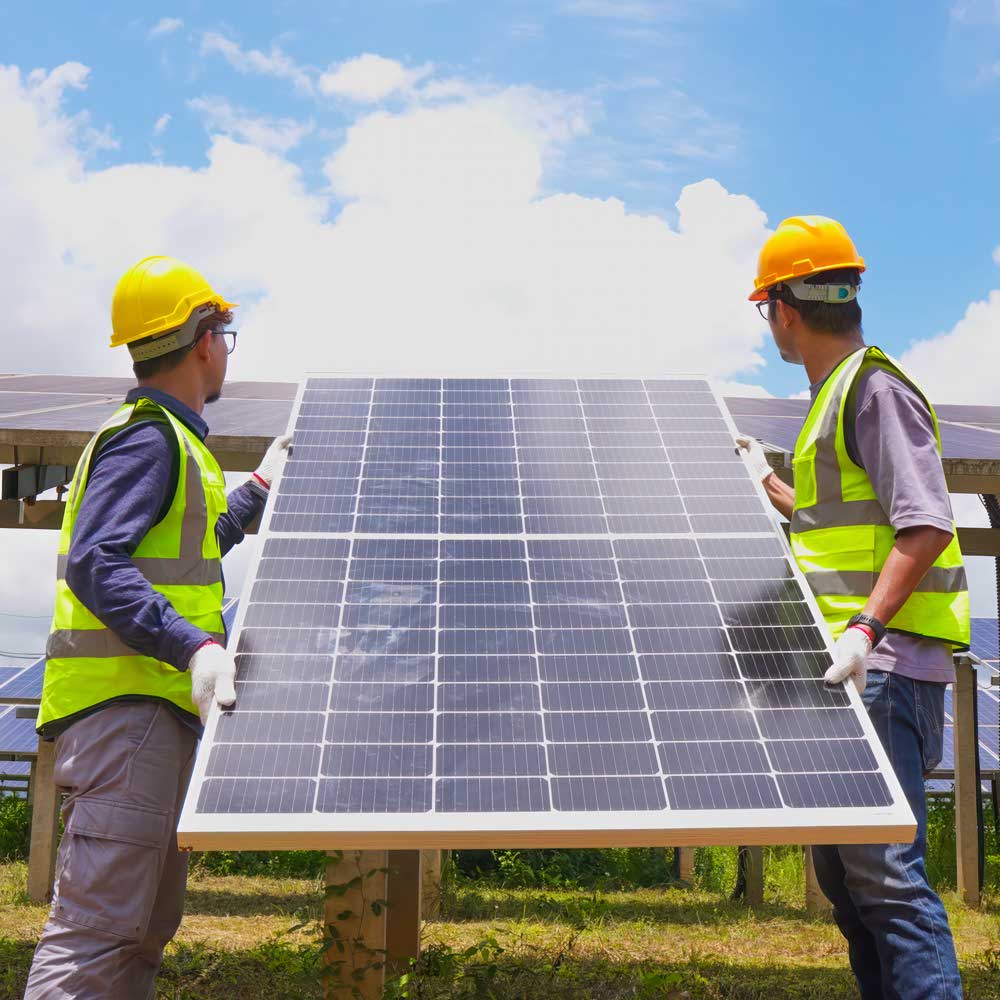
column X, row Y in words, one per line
column 25, row 687
column 966, row 431
column 535, row 607
column 17, row 736
column 985, row 639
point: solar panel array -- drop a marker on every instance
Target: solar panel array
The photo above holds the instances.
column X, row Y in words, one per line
column 985, row 642
column 526, row 597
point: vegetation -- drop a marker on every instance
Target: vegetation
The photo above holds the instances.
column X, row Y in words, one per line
column 563, row 925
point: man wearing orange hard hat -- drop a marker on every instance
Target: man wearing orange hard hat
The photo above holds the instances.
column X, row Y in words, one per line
column 873, row 533
column 136, row 656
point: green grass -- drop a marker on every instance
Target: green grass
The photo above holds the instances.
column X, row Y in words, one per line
column 499, row 943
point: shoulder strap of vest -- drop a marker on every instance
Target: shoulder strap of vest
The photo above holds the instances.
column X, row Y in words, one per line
column 875, row 357
column 129, row 416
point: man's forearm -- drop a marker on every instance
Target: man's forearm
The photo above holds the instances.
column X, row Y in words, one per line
column 906, row 565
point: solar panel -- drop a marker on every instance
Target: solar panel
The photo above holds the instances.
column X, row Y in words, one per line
column 9, row 673
column 985, row 639
column 17, row 736
column 529, row 611
column 25, row 687
column 777, row 422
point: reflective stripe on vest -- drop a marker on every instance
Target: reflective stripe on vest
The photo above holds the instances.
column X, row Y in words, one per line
column 88, row 664
column 841, row 535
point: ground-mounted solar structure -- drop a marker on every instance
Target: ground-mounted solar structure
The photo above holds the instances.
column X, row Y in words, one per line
column 529, row 612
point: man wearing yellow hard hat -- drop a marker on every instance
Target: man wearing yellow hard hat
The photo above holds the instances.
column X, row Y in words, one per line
column 136, row 655
column 872, row 530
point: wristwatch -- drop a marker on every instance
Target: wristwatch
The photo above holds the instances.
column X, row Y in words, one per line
column 869, row 621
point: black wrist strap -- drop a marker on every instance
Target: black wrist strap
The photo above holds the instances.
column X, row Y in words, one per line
column 871, row 622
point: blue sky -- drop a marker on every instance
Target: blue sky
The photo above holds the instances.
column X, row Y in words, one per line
column 862, row 111
column 545, row 186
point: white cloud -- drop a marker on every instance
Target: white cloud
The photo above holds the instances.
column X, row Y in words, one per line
column 445, row 253
column 371, row 78
column 161, row 124
column 165, row 26
column 275, row 64
column 278, row 134
column 941, row 363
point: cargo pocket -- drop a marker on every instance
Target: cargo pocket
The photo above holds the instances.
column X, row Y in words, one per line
column 109, row 866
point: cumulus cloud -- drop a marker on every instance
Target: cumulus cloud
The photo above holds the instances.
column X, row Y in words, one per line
column 159, row 127
column 263, row 131
column 274, row 64
column 433, row 247
column 941, row 363
column 165, row 26
column 370, row 78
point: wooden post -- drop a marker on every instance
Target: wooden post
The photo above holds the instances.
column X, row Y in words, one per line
column 44, row 825
column 755, row 876
column 684, row 864
column 817, row 905
column 402, row 934
column 359, row 933
column 966, row 787
column 431, row 863
column 30, row 798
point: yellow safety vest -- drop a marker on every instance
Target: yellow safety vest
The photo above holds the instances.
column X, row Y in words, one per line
column 840, row 534
column 87, row 664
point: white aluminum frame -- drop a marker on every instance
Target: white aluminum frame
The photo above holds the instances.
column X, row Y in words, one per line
column 894, row 823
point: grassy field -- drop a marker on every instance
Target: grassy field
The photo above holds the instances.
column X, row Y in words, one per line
column 501, row 943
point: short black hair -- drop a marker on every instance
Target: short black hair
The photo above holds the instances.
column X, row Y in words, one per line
column 825, row 317
column 168, row 362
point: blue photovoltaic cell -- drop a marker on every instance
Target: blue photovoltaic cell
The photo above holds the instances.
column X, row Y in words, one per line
column 469, row 581
column 16, row 735
column 985, row 639
column 518, row 458
column 25, row 687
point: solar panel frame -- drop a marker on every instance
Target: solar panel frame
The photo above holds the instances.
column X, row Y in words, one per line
column 295, row 826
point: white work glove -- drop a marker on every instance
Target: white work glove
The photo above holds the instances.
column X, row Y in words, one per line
column 272, row 459
column 755, row 457
column 849, row 657
column 213, row 674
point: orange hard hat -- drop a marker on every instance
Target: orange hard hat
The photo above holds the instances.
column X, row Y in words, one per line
column 801, row 246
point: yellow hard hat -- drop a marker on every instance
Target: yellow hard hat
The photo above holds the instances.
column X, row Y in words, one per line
column 801, row 246
column 158, row 295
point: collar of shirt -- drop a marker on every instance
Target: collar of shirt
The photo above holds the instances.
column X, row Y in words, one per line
column 180, row 410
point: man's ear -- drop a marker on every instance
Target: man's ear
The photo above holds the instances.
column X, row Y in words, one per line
column 203, row 347
column 786, row 315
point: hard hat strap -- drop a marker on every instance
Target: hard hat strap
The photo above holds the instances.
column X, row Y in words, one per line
column 834, row 294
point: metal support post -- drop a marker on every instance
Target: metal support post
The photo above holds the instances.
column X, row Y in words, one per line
column 44, row 825
column 966, row 786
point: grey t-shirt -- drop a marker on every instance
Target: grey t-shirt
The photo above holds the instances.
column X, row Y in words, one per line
column 893, row 440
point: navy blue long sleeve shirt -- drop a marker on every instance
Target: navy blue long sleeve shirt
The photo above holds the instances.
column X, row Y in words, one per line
column 131, row 485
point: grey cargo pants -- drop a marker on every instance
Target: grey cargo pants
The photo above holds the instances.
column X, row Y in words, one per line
column 120, row 880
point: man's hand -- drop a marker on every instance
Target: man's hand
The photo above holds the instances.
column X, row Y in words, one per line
column 849, row 657
column 213, row 674
column 272, row 458
column 756, row 459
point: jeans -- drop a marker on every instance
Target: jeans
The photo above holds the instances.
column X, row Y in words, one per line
column 899, row 942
